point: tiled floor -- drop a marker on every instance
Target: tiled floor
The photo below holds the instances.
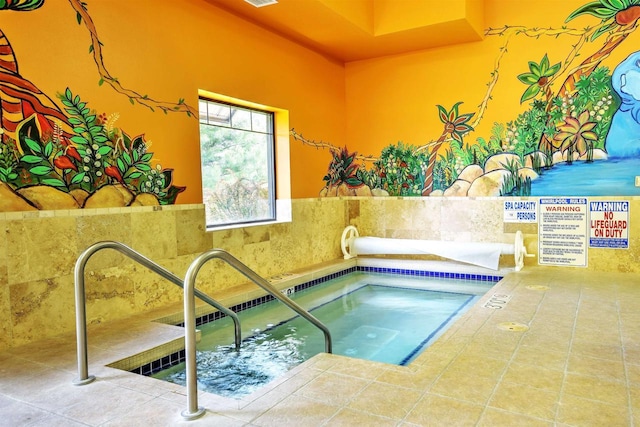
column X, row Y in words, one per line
column 577, row 364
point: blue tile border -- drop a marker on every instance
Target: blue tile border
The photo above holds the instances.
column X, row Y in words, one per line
column 179, row 357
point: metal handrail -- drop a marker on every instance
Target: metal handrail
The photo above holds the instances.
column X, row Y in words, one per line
column 193, row 411
column 81, row 317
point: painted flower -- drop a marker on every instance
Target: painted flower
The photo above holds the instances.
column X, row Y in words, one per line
column 113, row 172
column 576, row 133
column 64, row 162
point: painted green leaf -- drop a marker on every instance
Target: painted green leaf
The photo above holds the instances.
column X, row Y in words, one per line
column 530, row 93
column 100, row 138
column 528, row 78
column 135, row 175
column 146, row 157
column 54, row 182
column 75, row 121
column 121, row 166
column 100, row 82
column 33, row 145
column 136, row 156
column 29, row 158
column 78, row 178
column 79, row 140
column 105, row 149
column 40, row 170
column 143, row 167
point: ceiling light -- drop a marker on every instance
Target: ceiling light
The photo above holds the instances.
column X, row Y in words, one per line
column 261, row 3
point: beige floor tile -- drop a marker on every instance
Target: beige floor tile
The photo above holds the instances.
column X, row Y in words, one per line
column 596, row 348
column 596, row 389
column 537, row 356
column 297, row 411
column 577, row 411
column 255, row 408
column 486, row 367
column 463, row 386
column 348, row 418
column 357, row 368
column 440, row 411
column 535, row 376
column 526, row 400
column 332, row 388
column 495, row 417
column 418, row 379
column 385, row 400
column 595, row 367
column 14, row 413
column 546, row 341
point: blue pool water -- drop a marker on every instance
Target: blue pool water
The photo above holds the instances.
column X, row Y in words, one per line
column 382, row 318
column 613, row 177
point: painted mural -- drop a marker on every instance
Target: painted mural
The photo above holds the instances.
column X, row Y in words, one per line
column 63, row 153
column 578, row 112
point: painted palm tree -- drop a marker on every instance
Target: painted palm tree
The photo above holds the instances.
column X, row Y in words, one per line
column 455, row 126
column 538, row 79
column 619, row 18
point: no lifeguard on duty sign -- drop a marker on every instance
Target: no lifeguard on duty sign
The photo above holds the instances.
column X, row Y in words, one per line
column 609, row 224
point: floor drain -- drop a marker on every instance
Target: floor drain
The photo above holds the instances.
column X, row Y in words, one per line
column 538, row 287
column 513, row 326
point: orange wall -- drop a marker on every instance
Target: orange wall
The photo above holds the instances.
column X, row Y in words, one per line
column 168, row 50
column 394, row 98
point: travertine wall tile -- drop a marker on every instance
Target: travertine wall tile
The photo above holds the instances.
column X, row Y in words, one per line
column 42, row 308
column 109, row 294
column 41, row 248
column 5, row 314
column 153, row 234
column 190, row 232
column 98, row 228
column 372, row 218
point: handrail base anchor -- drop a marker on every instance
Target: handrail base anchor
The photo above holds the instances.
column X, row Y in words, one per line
column 87, row 380
column 188, row 416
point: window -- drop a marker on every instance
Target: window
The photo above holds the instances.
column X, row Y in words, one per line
column 237, row 147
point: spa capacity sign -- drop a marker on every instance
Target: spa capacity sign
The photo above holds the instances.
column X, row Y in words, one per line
column 520, row 211
column 609, row 222
column 562, row 231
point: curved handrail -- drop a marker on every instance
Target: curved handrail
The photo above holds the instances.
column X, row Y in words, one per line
column 193, row 411
column 81, row 317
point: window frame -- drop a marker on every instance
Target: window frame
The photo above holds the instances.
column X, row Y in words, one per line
column 280, row 182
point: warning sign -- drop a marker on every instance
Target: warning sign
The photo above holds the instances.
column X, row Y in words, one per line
column 609, row 224
column 562, row 231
